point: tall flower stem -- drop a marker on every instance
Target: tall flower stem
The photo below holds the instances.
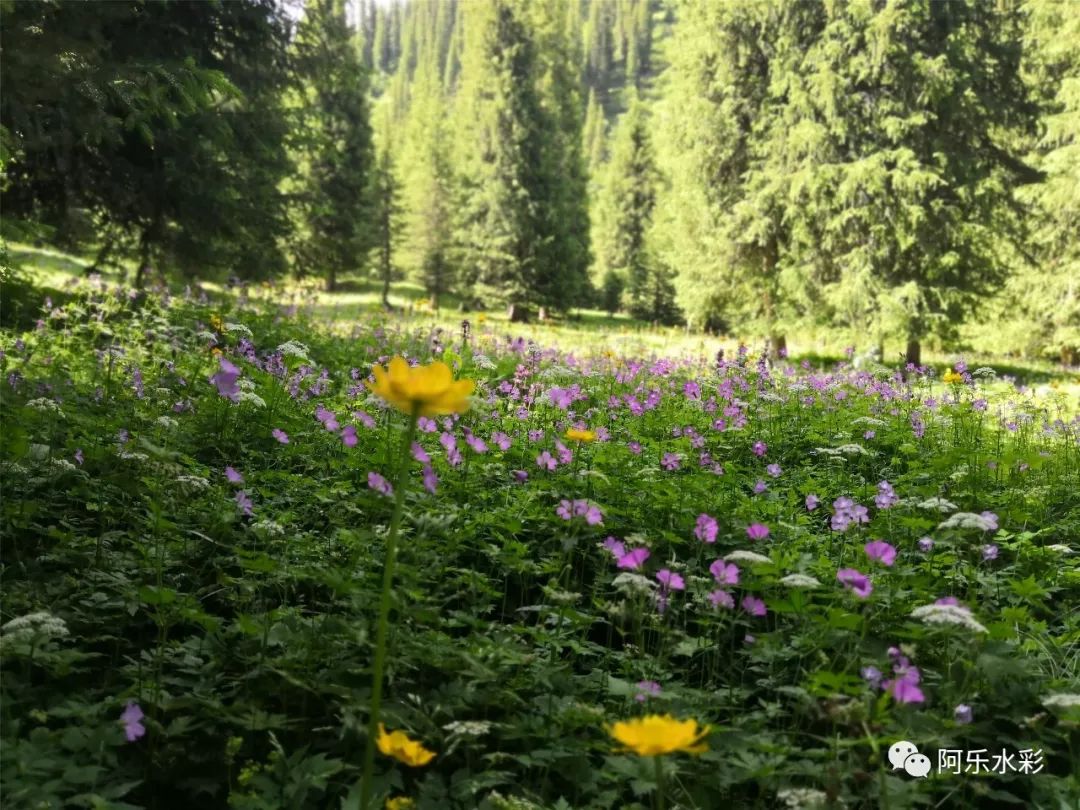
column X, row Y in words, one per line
column 400, row 482
column 658, row 764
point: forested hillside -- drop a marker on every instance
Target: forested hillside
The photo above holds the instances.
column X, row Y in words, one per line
column 891, row 171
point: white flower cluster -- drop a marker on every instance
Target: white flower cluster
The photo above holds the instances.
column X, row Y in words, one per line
column 192, row 482
column 633, row 583
column 751, row 557
column 869, row 420
column 45, row 405
column 483, row 361
column 966, row 520
column 938, row 504
column 207, row 336
column 252, row 398
column 167, row 422
column 1061, row 548
column 34, row 625
column 984, row 371
column 802, row 798
column 1063, row 700
column 238, row 327
column 948, row 614
column 130, row 456
column 293, row 348
column 800, row 581
column 269, row 528
column 468, row 728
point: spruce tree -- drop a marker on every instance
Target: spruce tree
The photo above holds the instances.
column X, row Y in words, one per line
column 334, row 145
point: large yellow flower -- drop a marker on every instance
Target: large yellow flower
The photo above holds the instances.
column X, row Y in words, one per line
column 426, row 390
column 397, row 744
column 655, row 735
column 951, row 376
column 400, row 803
column 577, row 435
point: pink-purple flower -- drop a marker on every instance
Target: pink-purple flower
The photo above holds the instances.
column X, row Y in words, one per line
column 857, row 582
column 280, row 435
column 753, row 606
column 379, row 484
column 880, row 551
column 757, row 531
column 705, row 529
column 132, row 718
column 724, row 573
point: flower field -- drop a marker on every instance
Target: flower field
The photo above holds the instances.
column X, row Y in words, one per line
column 247, row 559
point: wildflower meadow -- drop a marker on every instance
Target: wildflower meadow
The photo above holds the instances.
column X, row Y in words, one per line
column 250, row 561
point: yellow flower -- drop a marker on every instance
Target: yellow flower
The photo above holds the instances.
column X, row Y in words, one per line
column 951, row 376
column 397, row 744
column 655, row 734
column 215, row 321
column 426, row 390
column 400, row 803
column 215, row 351
column 481, row 317
column 575, row 435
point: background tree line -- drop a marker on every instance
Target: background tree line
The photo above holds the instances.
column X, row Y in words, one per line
column 895, row 167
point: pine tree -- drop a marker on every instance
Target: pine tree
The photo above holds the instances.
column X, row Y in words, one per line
column 386, row 209
column 626, row 212
column 519, row 176
column 335, row 142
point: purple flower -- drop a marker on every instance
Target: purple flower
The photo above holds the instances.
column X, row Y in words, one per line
column 962, row 714
column 670, row 580
column 349, row 437
column 647, row 689
column 225, row 380
column 757, row 531
column 773, row 470
column 721, row 598
column 991, row 521
column 724, row 573
column 565, row 509
column 501, row 440
column 379, row 484
column 521, row 476
column 233, row 476
column 670, row 461
column 476, row 443
column 79, row 456
column 244, row 503
column 989, row 552
column 925, row 545
column 546, row 461
column 872, row 675
column 431, row 481
column 869, row 434
column 753, row 606
column 857, row 582
column 593, row 515
column 635, row 448
column 131, row 718
column 880, row 551
column 812, row 502
column 705, row 529
column 760, row 448
column 886, row 497
column 760, row 487
column 904, row 691
column 280, row 435
column 947, row 600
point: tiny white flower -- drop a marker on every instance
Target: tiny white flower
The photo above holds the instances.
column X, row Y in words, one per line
column 751, row 557
column 800, row 581
column 1062, row 700
column 948, row 614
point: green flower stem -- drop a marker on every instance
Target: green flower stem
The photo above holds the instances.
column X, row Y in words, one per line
column 402, row 479
column 658, row 765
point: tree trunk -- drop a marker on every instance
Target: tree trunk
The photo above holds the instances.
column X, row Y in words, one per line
column 331, row 280
column 102, row 255
column 386, row 292
column 144, row 260
column 914, row 352
column 779, row 346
